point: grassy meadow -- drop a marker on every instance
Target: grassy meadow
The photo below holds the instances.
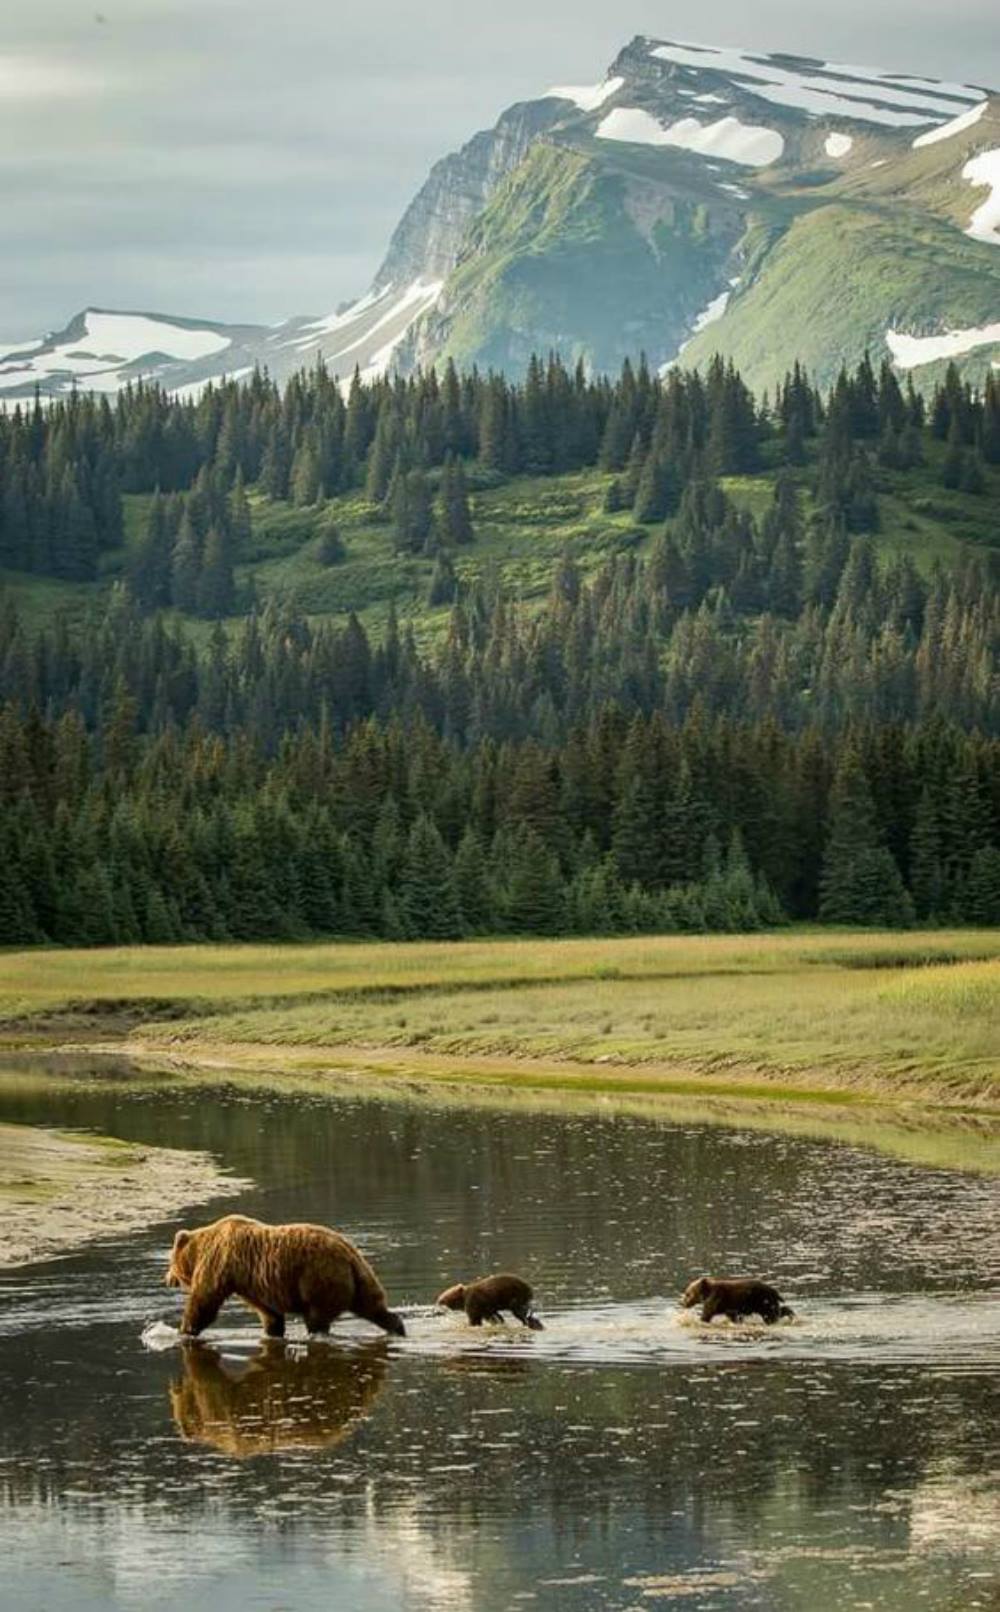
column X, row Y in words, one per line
column 826, row 1014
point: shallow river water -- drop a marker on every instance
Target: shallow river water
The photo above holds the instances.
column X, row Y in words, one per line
column 626, row 1457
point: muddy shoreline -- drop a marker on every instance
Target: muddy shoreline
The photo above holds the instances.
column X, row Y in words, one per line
column 60, row 1190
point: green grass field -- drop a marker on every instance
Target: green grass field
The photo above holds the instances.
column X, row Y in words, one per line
column 827, row 1014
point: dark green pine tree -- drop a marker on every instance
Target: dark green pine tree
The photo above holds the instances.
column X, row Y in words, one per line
column 428, row 899
column 216, row 589
column 147, row 569
column 981, row 898
column 991, row 420
column 535, row 901
column 659, row 490
column 454, row 520
column 412, row 515
column 860, row 882
column 304, row 481
column 18, row 926
column 330, row 546
column 185, row 567
column 927, row 882
column 443, row 587
column 953, row 467
column 240, row 522
column 472, row 883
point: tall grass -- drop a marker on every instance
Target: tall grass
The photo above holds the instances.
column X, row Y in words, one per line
column 874, row 1012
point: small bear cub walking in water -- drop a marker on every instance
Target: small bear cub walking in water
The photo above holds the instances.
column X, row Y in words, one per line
column 485, row 1299
column 736, row 1297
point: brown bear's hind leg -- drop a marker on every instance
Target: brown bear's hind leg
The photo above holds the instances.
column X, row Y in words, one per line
column 317, row 1322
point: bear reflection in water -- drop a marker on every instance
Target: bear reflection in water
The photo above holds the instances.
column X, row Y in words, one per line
column 284, row 1397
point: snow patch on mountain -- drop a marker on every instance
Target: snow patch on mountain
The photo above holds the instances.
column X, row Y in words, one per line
column 712, row 314
column 910, row 352
column 985, row 170
column 588, row 97
column 850, row 92
column 965, row 120
column 125, row 337
column 314, row 328
column 108, row 351
column 838, row 145
column 750, row 145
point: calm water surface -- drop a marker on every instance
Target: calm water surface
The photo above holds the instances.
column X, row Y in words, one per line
column 626, row 1457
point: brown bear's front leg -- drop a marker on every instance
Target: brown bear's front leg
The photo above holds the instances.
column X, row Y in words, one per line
column 711, row 1307
column 527, row 1317
column 200, row 1311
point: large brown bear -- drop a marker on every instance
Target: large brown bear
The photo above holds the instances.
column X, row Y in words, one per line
column 280, row 1400
column 484, row 1300
column 736, row 1297
column 278, row 1271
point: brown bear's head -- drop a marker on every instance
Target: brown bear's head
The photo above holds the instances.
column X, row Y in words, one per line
column 182, row 1260
column 696, row 1292
column 453, row 1298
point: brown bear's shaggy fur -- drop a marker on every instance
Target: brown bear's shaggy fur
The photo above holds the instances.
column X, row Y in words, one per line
column 279, row 1400
column 278, row 1271
column 736, row 1297
column 484, row 1300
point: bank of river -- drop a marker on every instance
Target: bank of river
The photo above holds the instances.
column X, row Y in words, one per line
column 59, row 1190
column 624, row 1456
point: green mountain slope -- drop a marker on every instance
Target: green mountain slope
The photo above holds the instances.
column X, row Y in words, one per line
column 565, row 244
column 650, row 221
column 525, row 529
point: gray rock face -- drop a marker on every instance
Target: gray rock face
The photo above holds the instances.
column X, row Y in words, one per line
column 427, row 241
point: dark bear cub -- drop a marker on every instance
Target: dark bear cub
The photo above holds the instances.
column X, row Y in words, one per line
column 484, row 1300
column 736, row 1297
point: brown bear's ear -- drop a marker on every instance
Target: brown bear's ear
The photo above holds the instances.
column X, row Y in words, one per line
column 181, row 1240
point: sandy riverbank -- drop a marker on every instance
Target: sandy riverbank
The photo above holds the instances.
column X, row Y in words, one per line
column 59, row 1190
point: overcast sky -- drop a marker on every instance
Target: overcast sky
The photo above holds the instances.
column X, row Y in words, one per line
column 247, row 159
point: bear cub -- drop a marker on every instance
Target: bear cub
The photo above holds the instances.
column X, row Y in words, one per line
column 485, row 1299
column 735, row 1297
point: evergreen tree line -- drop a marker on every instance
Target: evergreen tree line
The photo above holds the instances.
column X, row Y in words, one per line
column 744, row 617
column 629, row 825
column 63, row 469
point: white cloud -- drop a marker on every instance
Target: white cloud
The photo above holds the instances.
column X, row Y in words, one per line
column 35, row 78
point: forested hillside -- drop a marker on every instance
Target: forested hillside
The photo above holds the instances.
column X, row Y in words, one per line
column 459, row 655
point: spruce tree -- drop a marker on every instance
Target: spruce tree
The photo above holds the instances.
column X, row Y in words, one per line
column 330, row 546
column 534, row 901
column 860, row 882
column 185, row 567
column 215, row 593
column 428, row 899
column 454, row 520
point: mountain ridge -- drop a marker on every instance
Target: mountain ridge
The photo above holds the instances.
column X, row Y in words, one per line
column 697, row 199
